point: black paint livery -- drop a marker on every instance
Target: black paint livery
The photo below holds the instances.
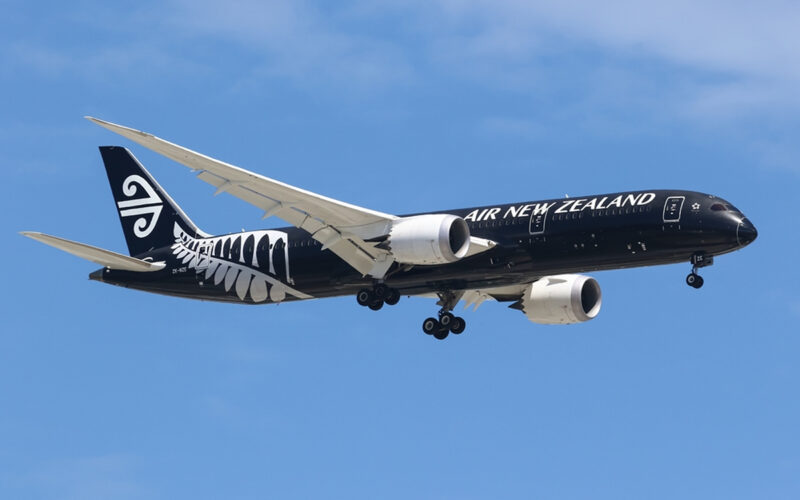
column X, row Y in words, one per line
column 526, row 245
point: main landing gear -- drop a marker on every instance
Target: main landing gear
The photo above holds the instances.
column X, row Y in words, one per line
column 447, row 323
column 379, row 294
column 698, row 260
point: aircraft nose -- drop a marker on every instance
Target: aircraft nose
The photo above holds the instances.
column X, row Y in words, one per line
column 746, row 232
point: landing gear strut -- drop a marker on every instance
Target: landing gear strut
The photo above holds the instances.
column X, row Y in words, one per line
column 698, row 260
column 447, row 323
column 377, row 296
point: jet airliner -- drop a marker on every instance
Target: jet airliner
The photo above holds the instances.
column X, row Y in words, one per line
column 528, row 254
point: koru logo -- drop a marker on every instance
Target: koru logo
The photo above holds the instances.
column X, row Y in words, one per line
column 151, row 205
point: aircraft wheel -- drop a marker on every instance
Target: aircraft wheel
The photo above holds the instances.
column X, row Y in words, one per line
column 694, row 280
column 458, row 325
column 376, row 304
column 380, row 291
column 364, row 297
column 446, row 319
column 393, row 297
column 430, row 325
column 441, row 333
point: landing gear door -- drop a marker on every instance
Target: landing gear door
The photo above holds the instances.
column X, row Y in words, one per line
column 673, row 208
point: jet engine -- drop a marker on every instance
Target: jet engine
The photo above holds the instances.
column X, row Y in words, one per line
column 561, row 299
column 429, row 239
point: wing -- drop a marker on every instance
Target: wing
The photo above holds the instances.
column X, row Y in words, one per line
column 338, row 226
column 107, row 258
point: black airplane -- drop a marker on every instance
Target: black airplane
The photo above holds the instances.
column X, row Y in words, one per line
column 527, row 254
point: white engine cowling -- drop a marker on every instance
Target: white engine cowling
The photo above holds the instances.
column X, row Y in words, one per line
column 562, row 299
column 429, row 239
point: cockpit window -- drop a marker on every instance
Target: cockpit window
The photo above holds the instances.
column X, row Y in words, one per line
column 718, row 207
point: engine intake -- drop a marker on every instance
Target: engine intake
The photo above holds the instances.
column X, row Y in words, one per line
column 562, row 299
column 429, row 239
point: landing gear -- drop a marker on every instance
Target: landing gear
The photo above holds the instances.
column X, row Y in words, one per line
column 694, row 280
column 430, row 325
column 365, row 297
column 393, row 297
column 377, row 296
column 698, row 260
column 433, row 326
column 447, row 323
column 458, row 325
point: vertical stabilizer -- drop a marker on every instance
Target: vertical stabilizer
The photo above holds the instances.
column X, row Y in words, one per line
column 147, row 213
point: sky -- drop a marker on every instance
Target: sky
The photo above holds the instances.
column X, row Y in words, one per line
column 401, row 106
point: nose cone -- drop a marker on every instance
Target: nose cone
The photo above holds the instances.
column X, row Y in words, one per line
column 746, row 233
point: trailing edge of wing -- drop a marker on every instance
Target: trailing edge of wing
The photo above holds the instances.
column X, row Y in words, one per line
column 107, row 258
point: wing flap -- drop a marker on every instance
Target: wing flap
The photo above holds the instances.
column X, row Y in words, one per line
column 107, row 258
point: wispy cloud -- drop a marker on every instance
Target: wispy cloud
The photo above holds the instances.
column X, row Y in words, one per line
column 296, row 40
column 749, row 49
column 732, row 57
column 595, row 66
column 106, row 64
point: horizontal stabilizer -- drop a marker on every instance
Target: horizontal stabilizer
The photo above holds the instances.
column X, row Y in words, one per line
column 107, row 258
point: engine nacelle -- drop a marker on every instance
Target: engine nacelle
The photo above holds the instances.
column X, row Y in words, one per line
column 429, row 239
column 562, row 299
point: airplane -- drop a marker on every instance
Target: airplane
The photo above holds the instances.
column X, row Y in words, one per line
column 528, row 254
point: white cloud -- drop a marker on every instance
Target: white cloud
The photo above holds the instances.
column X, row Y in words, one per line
column 106, row 63
column 296, row 40
column 748, row 48
column 753, row 39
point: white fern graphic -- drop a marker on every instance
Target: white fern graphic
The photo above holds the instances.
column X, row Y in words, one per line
column 225, row 260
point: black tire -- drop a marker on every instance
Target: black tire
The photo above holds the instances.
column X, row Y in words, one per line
column 375, row 305
column 699, row 282
column 380, row 291
column 430, row 325
column 393, row 297
column 365, row 297
column 691, row 280
column 441, row 333
column 458, row 325
column 446, row 319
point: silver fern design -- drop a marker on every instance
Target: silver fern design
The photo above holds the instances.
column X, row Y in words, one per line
column 239, row 262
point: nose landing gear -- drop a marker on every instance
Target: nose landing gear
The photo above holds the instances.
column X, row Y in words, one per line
column 698, row 260
column 694, row 280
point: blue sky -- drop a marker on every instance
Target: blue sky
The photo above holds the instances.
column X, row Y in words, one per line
column 401, row 107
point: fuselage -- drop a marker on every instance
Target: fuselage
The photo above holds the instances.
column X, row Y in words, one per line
column 534, row 239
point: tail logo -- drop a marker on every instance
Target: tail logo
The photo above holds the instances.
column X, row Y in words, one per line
column 150, row 205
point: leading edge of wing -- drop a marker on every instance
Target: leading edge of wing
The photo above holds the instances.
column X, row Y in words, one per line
column 276, row 194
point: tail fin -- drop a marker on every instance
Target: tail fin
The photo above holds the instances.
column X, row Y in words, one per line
column 147, row 213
